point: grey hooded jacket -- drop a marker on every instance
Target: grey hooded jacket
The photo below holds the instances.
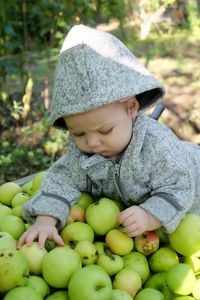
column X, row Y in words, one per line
column 156, row 171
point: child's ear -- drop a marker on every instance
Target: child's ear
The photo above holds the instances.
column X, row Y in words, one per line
column 133, row 107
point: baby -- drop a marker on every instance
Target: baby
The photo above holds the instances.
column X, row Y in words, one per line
column 114, row 150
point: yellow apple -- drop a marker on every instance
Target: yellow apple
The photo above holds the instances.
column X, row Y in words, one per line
column 129, row 280
column 119, row 242
column 34, row 256
column 76, row 213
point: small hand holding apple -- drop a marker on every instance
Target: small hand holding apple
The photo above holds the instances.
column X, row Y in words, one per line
column 44, row 228
column 136, row 220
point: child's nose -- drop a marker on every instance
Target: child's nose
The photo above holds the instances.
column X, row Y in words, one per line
column 93, row 140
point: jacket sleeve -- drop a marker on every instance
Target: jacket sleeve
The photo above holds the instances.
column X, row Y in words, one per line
column 58, row 193
column 171, row 181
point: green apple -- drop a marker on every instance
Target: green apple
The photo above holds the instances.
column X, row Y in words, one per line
column 138, row 262
column 59, row 295
column 76, row 213
column 13, row 225
column 90, row 282
column 181, row 279
column 163, row 259
column 194, row 262
column 87, row 252
column 37, row 181
column 100, row 246
column 184, row 298
column 129, row 280
column 49, row 245
column 102, row 215
column 163, row 236
column 186, row 238
column 111, row 263
column 4, row 210
column 85, row 200
column 7, row 191
column 119, row 242
column 39, row 285
column 158, row 282
column 23, row 293
column 196, row 289
column 121, row 295
column 17, row 211
column 34, row 256
column 19, row 199
column 119, row 204
column 149, row 294
column 147, row 242
column 27, row 188
column 59, row 265
column 76, row 232
column 13, row 269
column 7, row 241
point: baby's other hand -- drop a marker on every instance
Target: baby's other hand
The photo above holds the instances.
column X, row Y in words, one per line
column 136, row 220
column 44, row 228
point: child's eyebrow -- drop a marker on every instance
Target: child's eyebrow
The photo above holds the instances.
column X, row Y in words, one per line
column 98, row 128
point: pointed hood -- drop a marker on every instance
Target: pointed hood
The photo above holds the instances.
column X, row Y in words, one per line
column 95, row 69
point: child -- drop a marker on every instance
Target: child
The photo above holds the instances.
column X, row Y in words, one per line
column 114, row 149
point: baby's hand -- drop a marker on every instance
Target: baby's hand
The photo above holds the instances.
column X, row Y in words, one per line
column 44, row 228
column 136, row 220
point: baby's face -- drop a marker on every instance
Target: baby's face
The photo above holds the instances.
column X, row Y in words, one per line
column 106, row 130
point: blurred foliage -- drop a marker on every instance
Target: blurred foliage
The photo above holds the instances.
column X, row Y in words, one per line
column 31, row 33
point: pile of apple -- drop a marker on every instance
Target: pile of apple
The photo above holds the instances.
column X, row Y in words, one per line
column 99, row 261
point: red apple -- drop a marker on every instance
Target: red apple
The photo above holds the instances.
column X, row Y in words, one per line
column 147, row 242
column 76, row 213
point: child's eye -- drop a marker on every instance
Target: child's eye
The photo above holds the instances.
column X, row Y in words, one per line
column 107, row 131
column 77, row 134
